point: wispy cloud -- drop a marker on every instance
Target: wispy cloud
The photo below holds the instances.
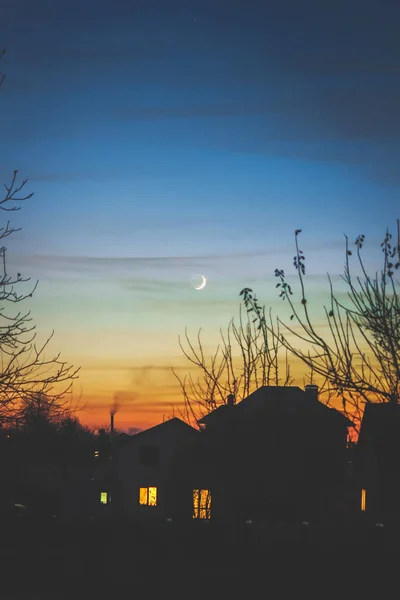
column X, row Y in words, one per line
column 189, row 112
column 91, row 175
column 342, row 121
column 118, row 266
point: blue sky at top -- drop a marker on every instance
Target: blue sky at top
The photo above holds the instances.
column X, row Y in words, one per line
column 199, row 134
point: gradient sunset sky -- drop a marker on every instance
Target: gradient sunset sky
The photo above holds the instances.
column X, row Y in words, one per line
column 166, row 138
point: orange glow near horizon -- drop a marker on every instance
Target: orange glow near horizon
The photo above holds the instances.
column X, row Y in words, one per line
column 142, row 384
column 146, row 395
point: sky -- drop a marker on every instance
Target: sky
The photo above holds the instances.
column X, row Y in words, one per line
column 165, row 140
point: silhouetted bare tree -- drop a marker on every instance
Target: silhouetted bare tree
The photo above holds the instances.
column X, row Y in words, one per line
column 248, row 357
column 359, row 358
column 26, row 372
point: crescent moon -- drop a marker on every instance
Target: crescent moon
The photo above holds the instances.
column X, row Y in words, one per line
column 203, row 284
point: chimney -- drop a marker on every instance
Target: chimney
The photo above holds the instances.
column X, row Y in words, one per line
column 111, row 422
column 230, row 400
column 311, row 391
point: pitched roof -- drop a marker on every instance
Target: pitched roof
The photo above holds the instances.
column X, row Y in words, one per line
column 172, row 424
column 277, row 401
column 215, row 415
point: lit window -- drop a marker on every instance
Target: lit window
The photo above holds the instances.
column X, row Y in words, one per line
column 363, row 500
column 148, row 496
column 103, row 498
column 201, row 504
column 96, row 453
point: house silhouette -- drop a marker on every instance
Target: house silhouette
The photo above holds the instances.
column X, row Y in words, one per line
column 149, row 471
column 378, row 459
column 279, row 454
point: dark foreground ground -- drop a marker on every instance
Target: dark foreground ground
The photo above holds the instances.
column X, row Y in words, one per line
column 53, row 560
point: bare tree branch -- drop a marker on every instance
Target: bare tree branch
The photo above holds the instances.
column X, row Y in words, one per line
column 359, row 359
column 247, row 357
column 27, row 373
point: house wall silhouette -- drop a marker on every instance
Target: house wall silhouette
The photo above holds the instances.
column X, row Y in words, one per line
column 151, row 480
column 378, row 459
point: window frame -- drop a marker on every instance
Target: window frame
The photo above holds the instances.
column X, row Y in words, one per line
column 201, row 503
column 148, row 496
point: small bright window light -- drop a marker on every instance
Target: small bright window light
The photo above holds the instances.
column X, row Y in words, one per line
column 148, row 496
column 103, row 498
column 201, row 504
column 363, row 500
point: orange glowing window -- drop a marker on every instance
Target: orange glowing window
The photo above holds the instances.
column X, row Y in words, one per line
column 363, row 500
column 201, row 504
column 148, row 496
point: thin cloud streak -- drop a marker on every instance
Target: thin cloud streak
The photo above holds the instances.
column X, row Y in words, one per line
column 189, row 112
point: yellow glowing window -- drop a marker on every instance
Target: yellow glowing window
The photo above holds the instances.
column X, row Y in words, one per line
column 103, row 497
column 363, row 500
column 148, row 496
column 201, row 504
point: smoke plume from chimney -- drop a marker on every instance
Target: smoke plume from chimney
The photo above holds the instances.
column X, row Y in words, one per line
column 114, row 408
column 115, row 405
